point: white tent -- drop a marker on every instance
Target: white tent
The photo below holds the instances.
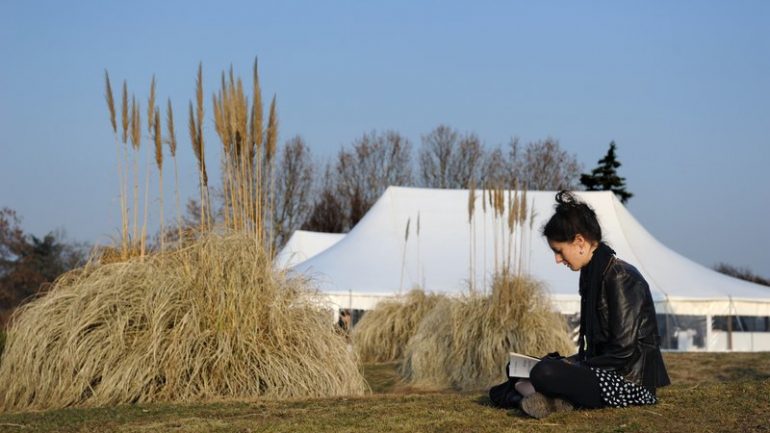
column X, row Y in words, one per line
column 422, row 237
column 302, row 245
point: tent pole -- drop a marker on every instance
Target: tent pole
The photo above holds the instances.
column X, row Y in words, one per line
column 730, row 325
column 708, row 333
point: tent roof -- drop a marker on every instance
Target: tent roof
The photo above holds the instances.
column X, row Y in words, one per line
column 303, row 245
column 378, row 257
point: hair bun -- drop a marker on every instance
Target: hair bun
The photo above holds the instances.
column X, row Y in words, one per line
column 566, row 199
column 572, row 217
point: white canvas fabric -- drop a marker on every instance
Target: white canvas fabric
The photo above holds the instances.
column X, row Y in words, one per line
column 444, row 253
column 303, row 245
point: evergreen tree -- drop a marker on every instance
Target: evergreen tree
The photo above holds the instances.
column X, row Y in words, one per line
column 605, row 176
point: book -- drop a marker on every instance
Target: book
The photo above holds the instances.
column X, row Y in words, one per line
column 519, row 365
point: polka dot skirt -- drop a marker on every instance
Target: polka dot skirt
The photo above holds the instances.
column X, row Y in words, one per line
column 618, row 392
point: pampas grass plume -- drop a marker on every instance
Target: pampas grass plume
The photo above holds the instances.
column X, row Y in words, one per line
column 110, row 101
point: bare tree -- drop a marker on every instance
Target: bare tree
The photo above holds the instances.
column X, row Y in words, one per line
column 742, row 273
column 375, row 162
column 293, row 184
column 514, row 162
column 546, row 166
column 494, row 169
column 465, row 165
column 449, row 159
column 327, row 214
column 436, row 156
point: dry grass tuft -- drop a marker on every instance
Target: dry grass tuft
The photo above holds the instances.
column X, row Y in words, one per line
column 463, row 343
column 209, row 321
column 383, row 333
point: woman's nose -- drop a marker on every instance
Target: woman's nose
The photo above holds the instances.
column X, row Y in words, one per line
column 558, row 258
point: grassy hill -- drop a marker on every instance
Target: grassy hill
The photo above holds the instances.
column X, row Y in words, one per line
column 710, row 393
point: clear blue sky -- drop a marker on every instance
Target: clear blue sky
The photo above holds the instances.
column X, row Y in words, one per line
column 682, row 87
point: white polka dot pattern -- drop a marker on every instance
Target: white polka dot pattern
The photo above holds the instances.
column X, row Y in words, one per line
column 619, row 392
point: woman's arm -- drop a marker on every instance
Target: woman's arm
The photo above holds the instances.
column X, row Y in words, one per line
column 625, row 294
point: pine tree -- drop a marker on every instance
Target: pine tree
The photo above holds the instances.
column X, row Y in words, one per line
column 605, row 176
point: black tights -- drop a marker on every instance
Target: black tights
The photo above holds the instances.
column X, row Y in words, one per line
column 557, row 378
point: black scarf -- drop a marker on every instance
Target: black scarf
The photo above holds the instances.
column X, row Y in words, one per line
column 590, row 284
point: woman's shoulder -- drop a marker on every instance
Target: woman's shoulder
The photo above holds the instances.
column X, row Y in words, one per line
column 620, row 269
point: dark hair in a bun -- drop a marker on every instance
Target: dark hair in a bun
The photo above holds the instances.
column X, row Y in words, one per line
column 572, row 218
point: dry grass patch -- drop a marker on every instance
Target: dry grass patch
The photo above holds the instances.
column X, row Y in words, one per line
column 383, row 333
column 463, row 343
column 210, row 321
column 701, row 403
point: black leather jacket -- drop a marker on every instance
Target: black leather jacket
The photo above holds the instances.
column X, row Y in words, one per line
column 626, row 336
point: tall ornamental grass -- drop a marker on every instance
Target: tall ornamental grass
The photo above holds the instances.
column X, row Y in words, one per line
column 210, row 321
column 203, row 317
column 383, row 333
column 463, row 343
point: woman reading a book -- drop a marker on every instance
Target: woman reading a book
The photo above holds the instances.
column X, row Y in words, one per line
column 619, row 362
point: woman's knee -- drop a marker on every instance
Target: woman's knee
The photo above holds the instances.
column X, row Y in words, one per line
column 545, row 374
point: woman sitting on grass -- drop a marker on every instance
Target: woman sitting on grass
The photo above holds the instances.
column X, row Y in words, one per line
column 619, row 361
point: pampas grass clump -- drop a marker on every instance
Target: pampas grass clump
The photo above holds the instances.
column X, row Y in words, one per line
column 207, row 322
column 383, row 332
column 463, row 343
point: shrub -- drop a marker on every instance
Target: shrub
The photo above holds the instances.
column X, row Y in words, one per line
column 383, row 332
column 464, row 342
column 209, row 321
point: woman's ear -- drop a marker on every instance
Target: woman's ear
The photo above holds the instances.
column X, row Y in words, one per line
column 579, row 240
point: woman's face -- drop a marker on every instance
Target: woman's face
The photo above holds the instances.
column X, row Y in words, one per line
column 574, row 255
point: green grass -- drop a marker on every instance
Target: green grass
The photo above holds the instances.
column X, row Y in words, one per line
column 711, row 393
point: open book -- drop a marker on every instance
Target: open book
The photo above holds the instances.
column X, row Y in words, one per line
column 519, row 365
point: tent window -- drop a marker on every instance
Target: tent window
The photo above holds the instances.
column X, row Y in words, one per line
column 682, row 332
column 743, row 323
column 355, row 315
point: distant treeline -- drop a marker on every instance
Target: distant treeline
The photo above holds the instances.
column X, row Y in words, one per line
column 742, row 273
column 29, row 264
column 334, row 196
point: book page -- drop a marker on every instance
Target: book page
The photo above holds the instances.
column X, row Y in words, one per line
column 520, row 365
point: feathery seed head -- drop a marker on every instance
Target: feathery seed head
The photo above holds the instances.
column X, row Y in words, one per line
column 125, row 115
column 151, row 108
column 532, row 215
column 510, row 212
column 471, row 201
column 158, row 141
column 256, row 111
column 136, row 125
column 110, row 101
column 515, row 207
column 170, row 128
column 406, row 232
column 272, row 132
column 199, row 96
column 193, row 129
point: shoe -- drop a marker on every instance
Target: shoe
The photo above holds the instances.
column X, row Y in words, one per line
column 539, row 406
column 504, row 395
